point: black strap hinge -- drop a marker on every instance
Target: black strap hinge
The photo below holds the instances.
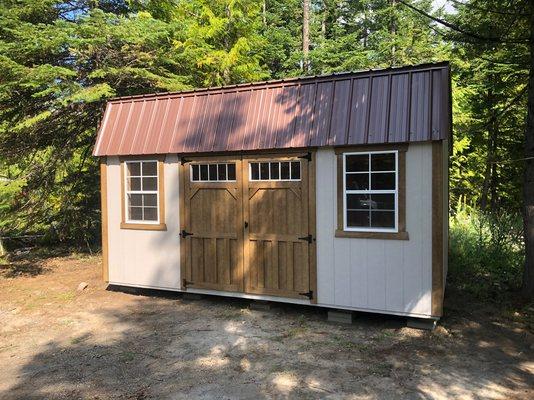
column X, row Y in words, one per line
column 308, row 156
column 308, row 238
column 309, row 294
column 184, row 160
column 185, row 283
column 185, row 234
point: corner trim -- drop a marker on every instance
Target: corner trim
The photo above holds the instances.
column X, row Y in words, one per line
column 104, row 216
column 437, row 230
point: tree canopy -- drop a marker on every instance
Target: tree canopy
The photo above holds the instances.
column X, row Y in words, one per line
column 61, row 60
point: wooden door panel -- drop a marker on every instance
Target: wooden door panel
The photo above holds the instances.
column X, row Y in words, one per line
column 212, row 250
column 277, row 258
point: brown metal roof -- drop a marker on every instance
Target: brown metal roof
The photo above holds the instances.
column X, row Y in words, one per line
column 393, row 105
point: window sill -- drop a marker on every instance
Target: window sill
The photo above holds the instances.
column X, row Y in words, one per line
column 373, row 235
column 144, row 227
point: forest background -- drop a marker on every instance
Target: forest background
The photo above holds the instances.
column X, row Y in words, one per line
column 61, row 60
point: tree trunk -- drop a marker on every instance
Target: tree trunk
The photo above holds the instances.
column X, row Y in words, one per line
column 528, row 180
column 393, row 31
column 490, row 174
column 305, row 34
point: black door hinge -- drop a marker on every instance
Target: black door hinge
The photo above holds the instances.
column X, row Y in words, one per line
column 308, row 238
column 185, row 283
column 308, row 156
column 309, row 294
column 185, row 234
column 184, row 160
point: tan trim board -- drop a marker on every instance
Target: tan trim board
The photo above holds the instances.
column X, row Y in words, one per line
column 104, row 215
column 182, row 176
column 401, row 147
column 437, row 230
column 373, row 235
column 312, row 222
column 144, row 227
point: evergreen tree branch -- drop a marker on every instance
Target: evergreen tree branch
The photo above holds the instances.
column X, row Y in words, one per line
column 461, row 30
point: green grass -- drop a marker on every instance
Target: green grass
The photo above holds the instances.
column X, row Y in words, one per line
column 486, row 253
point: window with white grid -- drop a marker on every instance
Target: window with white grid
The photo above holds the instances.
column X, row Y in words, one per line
column 370, row 191
column 141, row 183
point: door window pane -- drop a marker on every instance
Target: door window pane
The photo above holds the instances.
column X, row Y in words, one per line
column 295, row 170
column 275, row 170
column 212, row 172
column 231, row 172
column 284, row 170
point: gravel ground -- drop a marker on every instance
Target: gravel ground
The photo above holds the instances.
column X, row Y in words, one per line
column 60, row 343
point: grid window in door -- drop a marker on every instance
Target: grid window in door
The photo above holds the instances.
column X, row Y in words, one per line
column 370, row 191
column 275, row 171
column 142, row 196
column 213, row 172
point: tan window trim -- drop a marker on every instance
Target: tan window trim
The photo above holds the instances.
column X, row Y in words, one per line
column 161, row 195
column 401, row 234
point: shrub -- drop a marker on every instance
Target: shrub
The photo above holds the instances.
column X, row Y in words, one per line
column 486, row 252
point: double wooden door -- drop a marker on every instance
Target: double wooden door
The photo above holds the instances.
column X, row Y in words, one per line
column 248, row 225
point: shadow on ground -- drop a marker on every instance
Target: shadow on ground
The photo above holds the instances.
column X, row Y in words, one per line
column 167, row 347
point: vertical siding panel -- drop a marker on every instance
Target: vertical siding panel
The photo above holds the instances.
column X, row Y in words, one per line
column 376, row 274
column 426, row 216
column 359, row 286
column 394, row 276
column 326, row 217
column 342, row 267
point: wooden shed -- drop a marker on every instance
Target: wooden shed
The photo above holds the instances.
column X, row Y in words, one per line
column 327, row 190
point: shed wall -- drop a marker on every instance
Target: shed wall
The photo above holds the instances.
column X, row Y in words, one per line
column 373, row 274
column 389, row 276
column 142, row 257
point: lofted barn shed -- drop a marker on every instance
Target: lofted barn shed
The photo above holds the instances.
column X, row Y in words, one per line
column 328, row 190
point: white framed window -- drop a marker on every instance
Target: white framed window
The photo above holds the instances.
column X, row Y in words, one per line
column 212, row 172
column 370, row 191
column 274, row 171
column 142, row 192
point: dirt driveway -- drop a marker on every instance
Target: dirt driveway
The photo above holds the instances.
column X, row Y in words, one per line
column 58, row 343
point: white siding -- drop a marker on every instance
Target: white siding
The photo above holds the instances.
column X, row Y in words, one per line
column 141, row 257
column 392, row 276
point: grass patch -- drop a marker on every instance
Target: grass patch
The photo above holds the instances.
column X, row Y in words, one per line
column 486, row 254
